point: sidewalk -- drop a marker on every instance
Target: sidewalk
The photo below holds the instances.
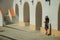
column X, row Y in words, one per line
column 18, row 27
column 24, row 34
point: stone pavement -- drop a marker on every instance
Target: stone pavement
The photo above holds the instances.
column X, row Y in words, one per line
column 14, row 32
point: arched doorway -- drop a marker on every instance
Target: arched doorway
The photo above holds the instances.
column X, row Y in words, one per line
column 38, row 16
column 26, row 14
column 17, row 13
column 59, row 18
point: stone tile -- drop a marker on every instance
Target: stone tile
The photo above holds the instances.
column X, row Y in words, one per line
column 26, row 35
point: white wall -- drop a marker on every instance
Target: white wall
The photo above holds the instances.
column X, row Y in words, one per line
column 51, row 11
column 33, row 12
column 54, row 13
column 45, row 10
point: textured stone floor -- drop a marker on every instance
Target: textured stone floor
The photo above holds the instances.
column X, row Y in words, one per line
column 19, row 33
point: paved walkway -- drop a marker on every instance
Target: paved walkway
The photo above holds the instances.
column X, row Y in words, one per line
column 14, row 32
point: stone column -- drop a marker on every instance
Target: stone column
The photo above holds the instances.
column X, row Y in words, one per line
column 1, row 22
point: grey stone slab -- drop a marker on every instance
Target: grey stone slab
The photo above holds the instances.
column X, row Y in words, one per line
column 2, row 37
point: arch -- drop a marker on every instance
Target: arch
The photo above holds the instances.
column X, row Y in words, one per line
column 38, row 16
column 26, row 13
column 17, row 13
column 59, row 18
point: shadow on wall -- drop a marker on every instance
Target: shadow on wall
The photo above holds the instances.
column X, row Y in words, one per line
column 17, row 13
column 59, row 18
column 4, row 6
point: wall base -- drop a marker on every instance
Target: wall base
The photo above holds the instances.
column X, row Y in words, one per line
column 22, row 24
column 32, row 27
